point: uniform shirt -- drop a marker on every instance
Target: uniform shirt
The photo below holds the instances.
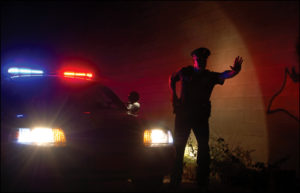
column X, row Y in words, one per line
column 197, row 87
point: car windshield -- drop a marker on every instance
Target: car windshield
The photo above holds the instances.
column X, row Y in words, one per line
column 97, row 96
column 51, row 93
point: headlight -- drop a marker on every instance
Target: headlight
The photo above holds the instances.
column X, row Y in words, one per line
column 41, row 136
column 157, row 137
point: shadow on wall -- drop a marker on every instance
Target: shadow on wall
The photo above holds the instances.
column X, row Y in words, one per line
column 290, row 123
column 295, row 78
column 283, row 118
column 283, row 121
column 272, row 49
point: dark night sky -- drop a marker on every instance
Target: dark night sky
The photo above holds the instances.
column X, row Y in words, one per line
column 119, row 38
column 109, row 33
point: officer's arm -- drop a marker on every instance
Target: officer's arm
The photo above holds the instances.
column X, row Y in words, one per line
column 235, row 69
column 175, row 77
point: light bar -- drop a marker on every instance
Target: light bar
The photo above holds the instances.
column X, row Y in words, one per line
column 24, row 72
column 71, row 74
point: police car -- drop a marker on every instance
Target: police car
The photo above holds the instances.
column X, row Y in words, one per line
column 67, row 125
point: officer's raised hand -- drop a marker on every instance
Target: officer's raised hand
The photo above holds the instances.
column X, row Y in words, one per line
column 237, row 64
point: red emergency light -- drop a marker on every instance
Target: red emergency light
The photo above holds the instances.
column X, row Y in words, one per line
column 83, row 75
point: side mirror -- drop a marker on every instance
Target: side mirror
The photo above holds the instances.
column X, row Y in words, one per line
column 133, row 106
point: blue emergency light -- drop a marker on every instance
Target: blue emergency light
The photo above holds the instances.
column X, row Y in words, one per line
column 16, row 72
column 20, row 115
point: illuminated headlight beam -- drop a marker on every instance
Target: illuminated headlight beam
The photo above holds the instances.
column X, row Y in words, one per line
column 41, row 136
column 157, row 137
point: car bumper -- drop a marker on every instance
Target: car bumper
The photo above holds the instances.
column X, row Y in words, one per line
column 55, row 162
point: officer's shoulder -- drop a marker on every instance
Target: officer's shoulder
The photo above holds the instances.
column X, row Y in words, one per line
column 187, row 69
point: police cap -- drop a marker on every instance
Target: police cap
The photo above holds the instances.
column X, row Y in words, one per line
column 201, row 52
